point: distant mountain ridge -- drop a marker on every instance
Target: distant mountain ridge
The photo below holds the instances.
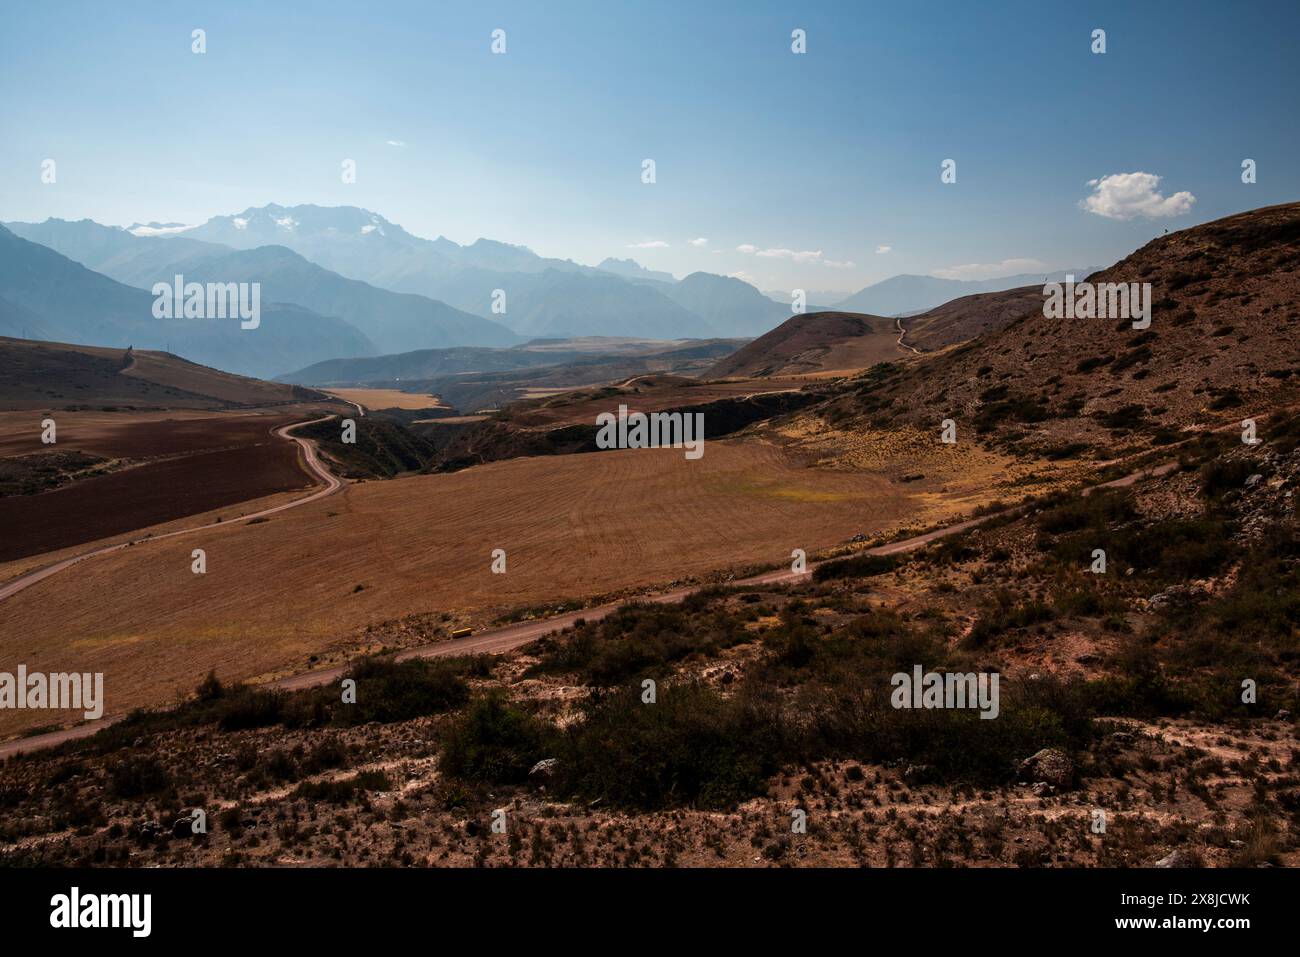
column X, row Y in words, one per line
column 389, row 321
column 631, row 269
column 540, row 295
column 393, row 321
column 129, row 257
column 543, row 296
column 730, row 307
column 909, row 293
column 403, row 292
column 70, row 303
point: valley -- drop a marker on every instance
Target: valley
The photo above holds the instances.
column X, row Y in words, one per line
column 325, row 578
column 823, row 437
column 550, row 453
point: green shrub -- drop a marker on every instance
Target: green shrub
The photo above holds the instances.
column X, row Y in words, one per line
column 389, row 691
column 241, row 708
column 496, row 742
column 1172, row 550
column 1003, row 614
column 1097, row 510
column 692, row 747
column 856, row 719
column 1224, row 475
column 639, row 638
column 857, row 566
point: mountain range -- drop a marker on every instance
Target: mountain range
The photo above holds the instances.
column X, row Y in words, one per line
column 47, row 295
column 543, row 296
column 533, row 295
column 346, row 282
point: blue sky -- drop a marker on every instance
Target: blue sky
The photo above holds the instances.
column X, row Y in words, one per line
column 835, row 152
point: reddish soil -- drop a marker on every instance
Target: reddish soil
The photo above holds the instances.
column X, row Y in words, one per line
column 176, row 468
column 138, row 435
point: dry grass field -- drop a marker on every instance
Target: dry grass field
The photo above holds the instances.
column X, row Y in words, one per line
column 313, row 579
column 387, row 398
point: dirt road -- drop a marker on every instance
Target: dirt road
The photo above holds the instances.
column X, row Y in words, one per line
column 902, row 332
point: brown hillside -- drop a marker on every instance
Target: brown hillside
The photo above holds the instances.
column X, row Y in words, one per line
column 39, row 375
column 815, row 342
column 1224, row 341
column 963, row 319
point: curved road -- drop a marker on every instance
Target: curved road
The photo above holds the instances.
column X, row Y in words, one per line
column 508, row 637
column 902, row 332
column 314, row 466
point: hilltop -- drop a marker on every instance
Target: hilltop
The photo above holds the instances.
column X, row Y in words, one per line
column 814, row 342
column 55, row 375
column 963, row 319
column 1224, row 342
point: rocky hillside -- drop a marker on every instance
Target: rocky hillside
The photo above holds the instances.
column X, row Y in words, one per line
column 1223, row 343
column 963, row 319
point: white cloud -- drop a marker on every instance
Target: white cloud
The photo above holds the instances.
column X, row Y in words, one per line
column 804, row 256
column 139, row 230
column 743, row 277
column 881, row 250
column 1008, row 267
column 649, row 244
column 395, row 142
column 801, row 256
column 1134, row 195
column 697, row 243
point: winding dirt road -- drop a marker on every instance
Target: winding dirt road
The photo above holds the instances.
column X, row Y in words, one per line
column 314, row 466
column 902, row 332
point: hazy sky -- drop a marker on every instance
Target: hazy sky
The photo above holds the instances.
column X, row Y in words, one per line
column 789, row 167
